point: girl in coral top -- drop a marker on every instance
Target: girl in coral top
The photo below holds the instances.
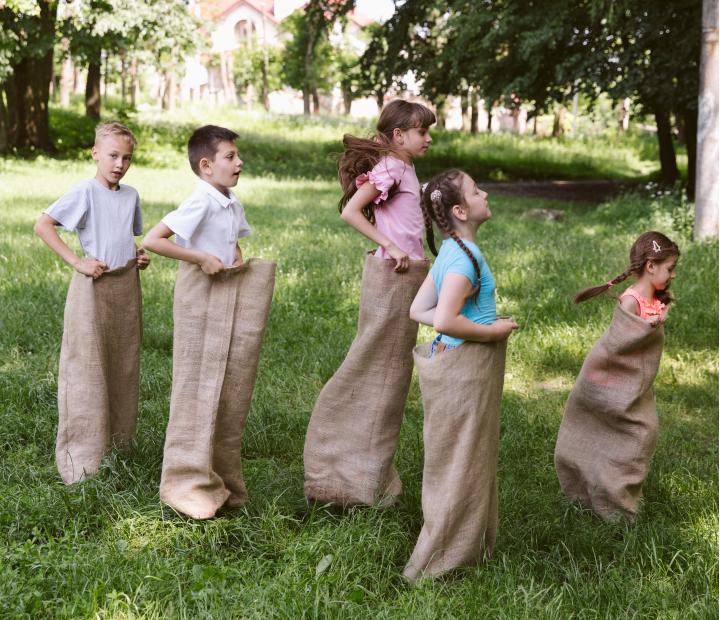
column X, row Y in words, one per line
column 609, row 430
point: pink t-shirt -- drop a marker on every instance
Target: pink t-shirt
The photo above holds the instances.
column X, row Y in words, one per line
column 400, row 218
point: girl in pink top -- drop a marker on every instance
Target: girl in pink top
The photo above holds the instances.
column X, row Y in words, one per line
column 355, row 424
column 652, row 261
column 381, row 192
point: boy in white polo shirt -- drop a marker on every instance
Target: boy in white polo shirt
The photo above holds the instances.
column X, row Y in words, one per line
column 220, row 309
column 98, row 380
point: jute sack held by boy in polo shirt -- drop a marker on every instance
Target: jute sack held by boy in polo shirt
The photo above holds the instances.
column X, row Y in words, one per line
column 220, row 310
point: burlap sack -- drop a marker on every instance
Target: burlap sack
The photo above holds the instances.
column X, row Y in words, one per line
column 461, row 392
column 355, row 425
column 608, row 433
column 219, row 326
column 98, row 380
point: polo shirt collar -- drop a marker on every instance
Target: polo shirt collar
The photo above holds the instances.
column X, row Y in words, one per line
column 219, row 197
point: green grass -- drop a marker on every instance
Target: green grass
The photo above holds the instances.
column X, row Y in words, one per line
column 108, row 549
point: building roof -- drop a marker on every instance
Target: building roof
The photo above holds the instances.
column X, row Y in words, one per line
column 214, row 9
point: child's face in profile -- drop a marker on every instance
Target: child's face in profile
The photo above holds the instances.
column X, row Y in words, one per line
column 475, row 201
column 113, row 155
column 662, row 274
column 224, row 170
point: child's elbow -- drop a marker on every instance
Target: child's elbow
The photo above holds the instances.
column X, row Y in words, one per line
column 440, row 325
column 414, row 315
column 148, row 243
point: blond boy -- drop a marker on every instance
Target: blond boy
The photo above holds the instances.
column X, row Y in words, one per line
column 98, row 379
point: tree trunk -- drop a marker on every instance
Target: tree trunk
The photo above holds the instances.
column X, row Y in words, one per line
column 134, row 83
column 123, row 78
column 310, row 86
column 4, row 143
column 306, row 101
column 440, row 111
column 105, row 76
column 464, row 110
column 474, row 112
column 690, row 122
column 679, row 118
column 347, row 101
column 707, row 187
column 92, row 90
column 66, row 79
column 558, row 129
column 668, row 164
column 623, row 115
column 316, row 101
column 380, row 99
column 489, row 113
column 28, row 88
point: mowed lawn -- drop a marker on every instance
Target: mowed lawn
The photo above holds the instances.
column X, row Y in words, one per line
column 108, row 549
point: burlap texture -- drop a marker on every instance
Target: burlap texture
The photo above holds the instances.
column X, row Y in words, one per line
column 609, row 430
column 461, row 392
column 98, row 380
column 219, row 327
column 355, row 424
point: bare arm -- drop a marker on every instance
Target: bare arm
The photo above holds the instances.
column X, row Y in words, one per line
column 45, row 229
column 352, row 214
column 449, row 321
column 422, row 309
column 157, row 240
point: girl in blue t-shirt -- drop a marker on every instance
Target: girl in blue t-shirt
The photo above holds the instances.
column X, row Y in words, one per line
column 461, row 389
column 458, row 296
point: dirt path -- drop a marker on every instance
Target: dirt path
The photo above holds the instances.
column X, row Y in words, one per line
column 571, row 191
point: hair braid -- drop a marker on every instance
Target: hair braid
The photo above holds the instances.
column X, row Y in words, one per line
column 441, row 219
column 427, row 219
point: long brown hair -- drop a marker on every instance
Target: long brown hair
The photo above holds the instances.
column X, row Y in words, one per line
column 361, row 154
column 651, row 246
column 439, row 196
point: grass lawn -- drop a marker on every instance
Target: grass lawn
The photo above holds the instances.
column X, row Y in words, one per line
column 108, row 549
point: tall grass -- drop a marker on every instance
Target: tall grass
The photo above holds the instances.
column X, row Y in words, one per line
column 108, row 549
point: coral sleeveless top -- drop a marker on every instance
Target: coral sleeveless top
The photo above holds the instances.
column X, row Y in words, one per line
column 648, row 309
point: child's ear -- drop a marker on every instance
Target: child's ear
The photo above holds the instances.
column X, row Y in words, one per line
column 398, row 135
column 650, row 267
column 204, row 165
column 94, row 153
column 459, row 212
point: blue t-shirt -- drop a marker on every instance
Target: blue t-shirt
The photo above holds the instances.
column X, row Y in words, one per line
column 452, row 259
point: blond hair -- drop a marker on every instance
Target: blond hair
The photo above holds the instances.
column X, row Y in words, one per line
column 113, row 128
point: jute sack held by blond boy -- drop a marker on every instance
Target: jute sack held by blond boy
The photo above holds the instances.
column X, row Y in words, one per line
column 220, row 311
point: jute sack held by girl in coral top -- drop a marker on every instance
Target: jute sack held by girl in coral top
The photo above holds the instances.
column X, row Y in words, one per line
column 609, row 431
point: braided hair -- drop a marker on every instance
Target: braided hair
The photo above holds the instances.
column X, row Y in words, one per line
column 439, row 196
column 361, row 154
column 650, row 246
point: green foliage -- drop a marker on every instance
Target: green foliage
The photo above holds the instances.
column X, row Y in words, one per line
column 295, row 70
column 108, row 549
column 21, row 32
column 257, row 65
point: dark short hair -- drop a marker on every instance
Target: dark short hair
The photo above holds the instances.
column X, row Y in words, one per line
column 204, row 141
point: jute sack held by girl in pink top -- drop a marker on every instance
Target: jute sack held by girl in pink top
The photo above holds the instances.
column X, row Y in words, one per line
column 609, row 430
column 355, row 424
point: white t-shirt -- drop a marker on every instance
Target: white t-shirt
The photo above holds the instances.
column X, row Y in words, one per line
column 210, row 222
column 106, row 221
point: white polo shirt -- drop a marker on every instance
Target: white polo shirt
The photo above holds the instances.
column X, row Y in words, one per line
column 210, row 222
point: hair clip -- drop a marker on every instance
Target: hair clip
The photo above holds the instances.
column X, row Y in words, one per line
column 656, row 246
column 436, row 195
column 423, row 187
